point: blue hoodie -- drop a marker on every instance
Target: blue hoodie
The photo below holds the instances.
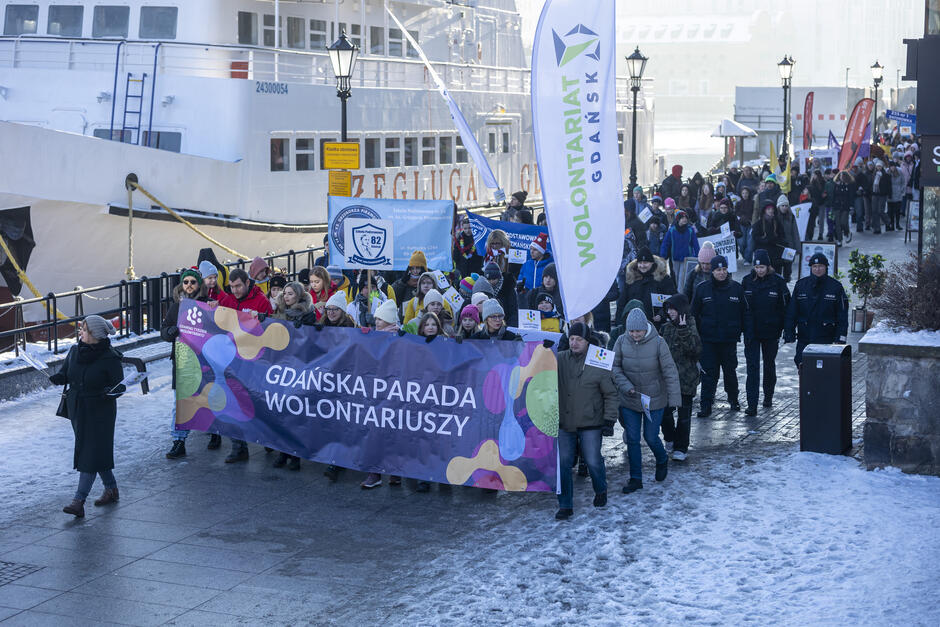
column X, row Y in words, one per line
column 679, row 243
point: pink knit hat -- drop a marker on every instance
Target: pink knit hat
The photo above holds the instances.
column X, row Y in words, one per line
column 707, row 252
column 670, row 203
column 471, row 311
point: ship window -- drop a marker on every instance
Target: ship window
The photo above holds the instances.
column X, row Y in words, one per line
column 446, row 149
column 247, row 28
column 411, row 151
column 620, row 142
column 304, row 154
column 394, row 42
column 353, row 32
column 373, row 157
column 491, row 143
column 392, row 152
column 21, row 19
column 116, row 135
column 461, row 151
column 412, row 52
column 158, row 22
column 268, row 38
column 295, row 33
column 428, row 151
column 280, row 157
column 163, row 140
column 505, row 141
column 65, row 21
column 318, row 35
column 376, row 40
column 110, row 21
column 323, row 142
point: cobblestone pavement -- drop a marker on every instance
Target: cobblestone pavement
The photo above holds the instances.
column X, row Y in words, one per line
column 196, row 541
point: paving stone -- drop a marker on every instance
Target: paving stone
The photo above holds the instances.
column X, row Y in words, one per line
column 71, row 604
column 172, row 572
column 147, row 591
column 24, row 597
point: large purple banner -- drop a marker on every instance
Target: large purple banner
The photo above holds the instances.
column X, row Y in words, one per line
column 478, row 413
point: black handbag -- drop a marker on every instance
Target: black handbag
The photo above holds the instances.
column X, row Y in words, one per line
column 63, row 409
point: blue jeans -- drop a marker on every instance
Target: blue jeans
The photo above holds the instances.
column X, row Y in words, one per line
column 87, row 479
column 631, row 421
column 178, row 434
column 590, row 452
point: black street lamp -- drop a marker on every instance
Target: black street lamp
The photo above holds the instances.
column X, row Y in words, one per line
column 786, row 72
column 343, row 55
column 877, row 73
column 636, row 63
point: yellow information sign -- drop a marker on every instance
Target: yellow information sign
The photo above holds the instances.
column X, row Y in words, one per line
column 341, row 156
column 340, row 183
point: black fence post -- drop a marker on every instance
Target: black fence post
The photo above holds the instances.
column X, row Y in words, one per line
column 135, row 307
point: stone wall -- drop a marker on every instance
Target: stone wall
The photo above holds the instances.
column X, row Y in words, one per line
column 902, row 426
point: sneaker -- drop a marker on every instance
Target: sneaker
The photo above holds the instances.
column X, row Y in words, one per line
column 237, row 455
column 373, row 480
column 600, row 500
column 331, row 473
column 394, row 480
column 632, row 486
column 294, row 463
column 178, row 450
column 281, row 460
column 662, row 470
column 423, row 486
column 215, row 441
column 678, row 456
column 750, row 411
column 563, row 514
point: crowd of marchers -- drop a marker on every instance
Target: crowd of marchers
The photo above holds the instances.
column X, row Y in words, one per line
column 671, row 342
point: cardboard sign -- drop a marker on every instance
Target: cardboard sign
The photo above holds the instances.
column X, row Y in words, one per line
column 530, row 319
column 645, row 215
column 34, row 362
column 788, row 254
column 726, row 246
column 132, row 379
column 453, row 298
column 645, row 402
column 341, row 156
column 703, row 220
column 516, row 255
column 659, row 299
column 369, row 244
column 726, row 229
column 442, row 282
column 599, row 357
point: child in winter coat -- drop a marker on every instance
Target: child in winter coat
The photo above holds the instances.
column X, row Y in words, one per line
column 679, row 242
column 685, row 345
column 551, row 320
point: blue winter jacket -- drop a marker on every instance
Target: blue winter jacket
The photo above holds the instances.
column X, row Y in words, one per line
column 677, row 245
column 531, row 272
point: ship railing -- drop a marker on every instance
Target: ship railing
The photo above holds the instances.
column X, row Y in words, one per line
column 267, row 64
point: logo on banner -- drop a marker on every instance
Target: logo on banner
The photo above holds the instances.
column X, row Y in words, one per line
column 479, row 231
column 194, row 316
column 338, row 229
column 565, row 53
column 367, row 240
column 193, row 319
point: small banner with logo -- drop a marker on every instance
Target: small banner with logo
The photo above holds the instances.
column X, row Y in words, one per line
column 478, row 413
column 600, row 357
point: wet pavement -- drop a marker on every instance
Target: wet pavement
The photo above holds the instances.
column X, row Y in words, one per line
column 197, row 541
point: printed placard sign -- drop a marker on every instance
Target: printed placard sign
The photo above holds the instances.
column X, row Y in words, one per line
column 599, row 357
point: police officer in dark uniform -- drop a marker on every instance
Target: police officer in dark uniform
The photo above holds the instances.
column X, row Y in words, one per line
column 819, row 310
column 720, row 309
column 767, row 297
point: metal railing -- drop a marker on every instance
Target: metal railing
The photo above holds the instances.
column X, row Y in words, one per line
column 140, row 303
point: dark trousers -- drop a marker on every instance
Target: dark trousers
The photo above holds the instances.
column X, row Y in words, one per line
column 677, row 431
column 715, row 356
column 754, row 351
column 590, row 440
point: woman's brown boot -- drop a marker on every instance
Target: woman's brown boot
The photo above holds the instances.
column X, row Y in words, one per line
column 110, row 495
column 75, row 508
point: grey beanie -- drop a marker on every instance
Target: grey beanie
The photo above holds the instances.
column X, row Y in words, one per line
column 98, row 327
column 492, row 307
column 206, row 268
column 636, row 320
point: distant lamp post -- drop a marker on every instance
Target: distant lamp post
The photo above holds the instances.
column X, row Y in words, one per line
column 877, row 74
column 343, row 55
column 636, row 63
column 786, row 73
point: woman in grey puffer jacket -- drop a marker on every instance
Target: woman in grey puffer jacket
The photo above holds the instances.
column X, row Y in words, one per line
column 643, row 366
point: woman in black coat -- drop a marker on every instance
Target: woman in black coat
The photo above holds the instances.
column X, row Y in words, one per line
column 91, row 370
column 768, row 233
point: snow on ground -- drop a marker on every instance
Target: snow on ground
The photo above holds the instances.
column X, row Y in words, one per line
column 883, row 333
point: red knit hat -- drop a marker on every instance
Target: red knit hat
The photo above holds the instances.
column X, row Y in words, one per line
column 540, row 243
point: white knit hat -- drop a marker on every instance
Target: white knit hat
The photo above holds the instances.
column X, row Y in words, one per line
column 783, row 201
column 479, row 297
column 433, row 296
column 387, row 312
column 337, row 300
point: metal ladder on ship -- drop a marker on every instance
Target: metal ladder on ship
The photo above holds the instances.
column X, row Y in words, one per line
column 130, row 97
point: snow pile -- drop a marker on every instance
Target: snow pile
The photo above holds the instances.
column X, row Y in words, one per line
column 882, row 333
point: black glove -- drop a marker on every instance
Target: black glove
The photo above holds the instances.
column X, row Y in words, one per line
column 173, row 331
column 58, row 379
column 262, row 317
column 608, row 429
column 298, row 323
column 430, row 339
column 548, row 343
column 401, row 333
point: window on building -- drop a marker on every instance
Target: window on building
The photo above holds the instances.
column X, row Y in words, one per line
column 505, row 141
column 280, row 154
column 158, row 22
column 461, row 151
column 110, row 21
column 392, row 152
column 65, row 21
column 446, row 146
column 376, row 40
column 116, row 135
column 620, row 142
column 268, row 32
column 491, row 143
column 373, row 156
column 395, row 41
column 323, row 142
column 411, row 151
column 163, row 140
column 295, row 33
column 21, row 19
column 247, row 28
column 428, row 151
column 318, row 39
column 353, row 33
column 305, row 149
column 412, row 51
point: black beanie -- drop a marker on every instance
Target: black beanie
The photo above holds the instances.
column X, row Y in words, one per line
column 645, row 255
column 580, row 329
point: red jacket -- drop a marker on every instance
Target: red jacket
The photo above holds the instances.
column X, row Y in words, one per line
column 255, row 301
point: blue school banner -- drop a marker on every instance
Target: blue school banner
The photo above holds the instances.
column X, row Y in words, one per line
column 381, row 234
column 520, row 235
column 907, row 122
column 479, row 413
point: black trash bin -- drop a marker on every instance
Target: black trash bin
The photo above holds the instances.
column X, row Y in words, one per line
column 826, row 399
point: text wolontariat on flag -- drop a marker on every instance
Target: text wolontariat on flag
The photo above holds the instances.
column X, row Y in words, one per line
column 574, row 113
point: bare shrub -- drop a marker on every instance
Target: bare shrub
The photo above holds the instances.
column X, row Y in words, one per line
column 911, row 299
